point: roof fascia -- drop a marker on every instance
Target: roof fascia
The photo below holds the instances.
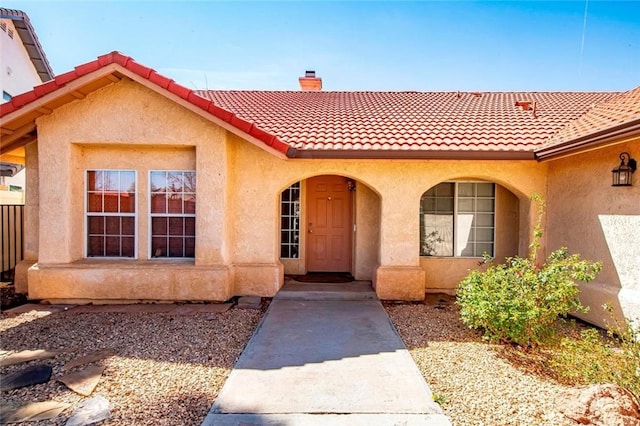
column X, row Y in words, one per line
column 609, row 136
column 68, row 88
column 413, row 155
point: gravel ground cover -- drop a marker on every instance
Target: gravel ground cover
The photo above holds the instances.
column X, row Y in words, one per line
column 475, row 382
column 168, row 369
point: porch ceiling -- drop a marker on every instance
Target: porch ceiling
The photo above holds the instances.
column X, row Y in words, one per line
column 18, row 128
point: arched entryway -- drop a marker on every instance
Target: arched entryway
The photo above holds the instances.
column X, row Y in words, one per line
column 329, row 223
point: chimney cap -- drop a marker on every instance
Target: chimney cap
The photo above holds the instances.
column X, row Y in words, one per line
column 310, row 74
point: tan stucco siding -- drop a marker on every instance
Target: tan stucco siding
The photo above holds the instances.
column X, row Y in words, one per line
column 127, row 126
column 589, row 216
column 387, row 216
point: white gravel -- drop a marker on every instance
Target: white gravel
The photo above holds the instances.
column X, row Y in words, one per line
column 169, row 368
column 475, row 382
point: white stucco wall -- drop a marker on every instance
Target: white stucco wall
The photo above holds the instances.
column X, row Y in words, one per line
column 17, row 73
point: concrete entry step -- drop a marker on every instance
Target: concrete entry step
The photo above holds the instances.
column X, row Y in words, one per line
column 355, row 290
column 382, row 419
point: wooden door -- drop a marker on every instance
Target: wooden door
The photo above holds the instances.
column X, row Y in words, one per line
column 329, row 224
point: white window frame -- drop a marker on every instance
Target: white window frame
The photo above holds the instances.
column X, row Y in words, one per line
column 169, row 215
column 456, row 213
column 87, row 214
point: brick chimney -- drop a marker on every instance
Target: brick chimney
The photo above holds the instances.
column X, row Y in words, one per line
column 310, row 83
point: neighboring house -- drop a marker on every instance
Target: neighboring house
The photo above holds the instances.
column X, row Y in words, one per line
column 24, row 65
column 147, row 190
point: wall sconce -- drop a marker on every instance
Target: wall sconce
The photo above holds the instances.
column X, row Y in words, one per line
column 622, row 173
column 351, row 185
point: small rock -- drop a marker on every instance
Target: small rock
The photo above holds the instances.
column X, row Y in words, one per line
column 91, row 357
column 28, row 376
column 249, row 302
column 24, row 356
column 92, row 411
column 31, row 412
column 83, row 382
column 604, row 405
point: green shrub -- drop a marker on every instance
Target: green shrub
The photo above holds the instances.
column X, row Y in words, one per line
column 593, row 358
column 520, row 301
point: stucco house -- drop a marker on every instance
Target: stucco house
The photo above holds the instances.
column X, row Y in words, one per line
column 140, row 189
column 24, row 65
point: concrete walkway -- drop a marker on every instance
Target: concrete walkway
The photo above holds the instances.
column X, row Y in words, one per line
column 332, row 360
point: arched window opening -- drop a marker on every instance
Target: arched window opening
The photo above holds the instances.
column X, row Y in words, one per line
column 458, row 219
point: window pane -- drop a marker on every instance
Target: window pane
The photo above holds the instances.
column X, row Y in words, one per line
column 128, row 225
column 158, row 182
column 484, row 219
column 486, row 189
column 176, row 226
column 92, row 181
column 159, row 226
column 95, row 224
column 190, row 247
column 128, row 246
column 436, row 235
column 484, row 248
column 176, row 247
column 444, row 205
column 127, row 181
column 96, row 246
column 428, row 205
column 112, row 225
column 158, row 246
column 112, row 247
column 175, row 204
column 190, row 203
column 484, row 235
column 485, row 205
column 158, row 203
column 94, row 201
column 190, row 226
column 445, row 189
column 111, row 180
column 189, row 182
column 466, row 205
column 465, row 189
column 110, row 202
column 127, row 203
column 174, row 182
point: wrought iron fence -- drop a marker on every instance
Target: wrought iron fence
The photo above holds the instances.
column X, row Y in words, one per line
column 12, row 220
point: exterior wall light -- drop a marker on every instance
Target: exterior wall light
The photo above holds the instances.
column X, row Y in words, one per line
column 622, row 173
column 351, row 185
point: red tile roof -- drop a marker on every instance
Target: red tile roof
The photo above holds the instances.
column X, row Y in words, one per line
column 408, row 121
column 150, row 75
column 345, row 124
column 610, row 117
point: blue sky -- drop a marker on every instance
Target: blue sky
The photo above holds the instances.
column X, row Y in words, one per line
column 357, row 45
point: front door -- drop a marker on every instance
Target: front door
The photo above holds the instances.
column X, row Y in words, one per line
column 329, row 224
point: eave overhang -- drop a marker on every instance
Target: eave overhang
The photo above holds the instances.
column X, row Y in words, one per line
column 18, row 117
column 413, row 155
column 628, row 131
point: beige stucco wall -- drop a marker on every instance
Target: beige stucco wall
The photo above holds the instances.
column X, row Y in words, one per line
column 128, row 126
column 600, row 222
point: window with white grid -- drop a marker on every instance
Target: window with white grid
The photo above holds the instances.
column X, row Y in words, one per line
column 111, row 213
column 458, row 219
column 173, row 213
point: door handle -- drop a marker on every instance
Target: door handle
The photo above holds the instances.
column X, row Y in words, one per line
column 310, row 229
